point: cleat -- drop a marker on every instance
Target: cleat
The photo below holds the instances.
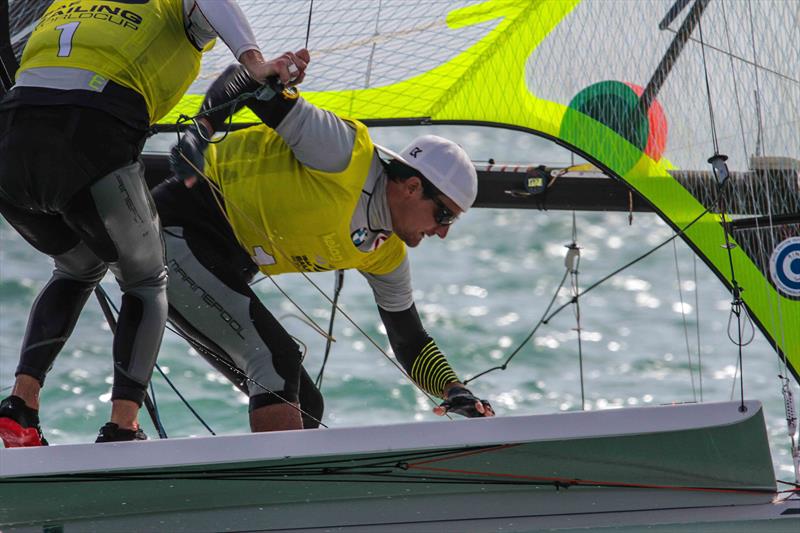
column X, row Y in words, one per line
column 19, row 424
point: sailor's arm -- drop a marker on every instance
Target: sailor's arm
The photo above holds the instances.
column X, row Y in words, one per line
column 427, row 365
column 187, row 156
column 204, row 20
column 416, row 351
column 234, row 82
column 303, row 126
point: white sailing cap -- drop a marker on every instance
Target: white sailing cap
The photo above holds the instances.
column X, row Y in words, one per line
column 443, row 163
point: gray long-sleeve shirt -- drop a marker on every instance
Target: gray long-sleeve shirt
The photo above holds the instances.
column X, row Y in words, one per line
column 321, row 140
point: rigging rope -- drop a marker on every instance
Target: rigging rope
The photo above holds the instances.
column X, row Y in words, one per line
column 308, row 27
column 368, row 74
column 721, row 173
column 708, row 89
column 697, row 328
column 180, row 396
column 791, row 416
column 683, row 318
column 756, row 66
column 744, row 60
column 572, row 262
column 157, row 415
column 547, row 317
column 788, row 397
column 529, row 337
column 337, row 289
column 780, row 327
column 735, row 82
column 633, row 262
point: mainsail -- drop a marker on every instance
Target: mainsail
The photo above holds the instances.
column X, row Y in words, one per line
column 647, row 91
column 575, row 71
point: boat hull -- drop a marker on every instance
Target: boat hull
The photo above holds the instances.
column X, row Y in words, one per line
column 615, row 468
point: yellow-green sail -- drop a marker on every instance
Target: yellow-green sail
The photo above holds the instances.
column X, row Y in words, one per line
column 568, row 69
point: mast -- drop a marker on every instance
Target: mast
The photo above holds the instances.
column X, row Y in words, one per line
column 674, row 50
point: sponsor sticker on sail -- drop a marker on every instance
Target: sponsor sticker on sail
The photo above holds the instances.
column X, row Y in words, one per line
column 784, row 266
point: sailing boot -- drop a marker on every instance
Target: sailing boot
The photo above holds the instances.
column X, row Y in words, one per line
column 19, row 424
column 111, row 432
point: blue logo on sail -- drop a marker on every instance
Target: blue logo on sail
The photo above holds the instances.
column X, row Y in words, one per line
column 784, row 266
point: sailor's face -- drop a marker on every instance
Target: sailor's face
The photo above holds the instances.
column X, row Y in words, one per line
column 421, row 216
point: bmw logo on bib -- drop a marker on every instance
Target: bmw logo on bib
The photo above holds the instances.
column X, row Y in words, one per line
column 359, row 236
column 784, row 266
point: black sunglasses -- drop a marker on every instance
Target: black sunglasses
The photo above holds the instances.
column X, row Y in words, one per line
column 443, row 215
column 400, row 171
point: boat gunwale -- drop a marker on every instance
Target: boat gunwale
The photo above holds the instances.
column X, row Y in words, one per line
column 413, row 436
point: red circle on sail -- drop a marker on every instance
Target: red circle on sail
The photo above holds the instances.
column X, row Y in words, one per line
column 657, row 131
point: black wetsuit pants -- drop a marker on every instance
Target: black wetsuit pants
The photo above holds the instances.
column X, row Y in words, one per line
column 72, row 184
column 211, row 302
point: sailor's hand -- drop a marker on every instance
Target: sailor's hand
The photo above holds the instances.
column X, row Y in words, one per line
column 461, row 401
column 289, row 67
column 186, row 158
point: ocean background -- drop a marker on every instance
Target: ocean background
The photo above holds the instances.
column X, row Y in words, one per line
column 479, row 292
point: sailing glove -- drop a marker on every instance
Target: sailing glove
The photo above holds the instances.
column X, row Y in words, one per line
column 462, row 402
column 192, row 146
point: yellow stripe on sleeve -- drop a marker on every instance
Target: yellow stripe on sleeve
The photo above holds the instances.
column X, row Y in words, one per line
column 431, row 371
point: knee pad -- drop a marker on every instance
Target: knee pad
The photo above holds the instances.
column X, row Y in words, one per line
column 80, row 264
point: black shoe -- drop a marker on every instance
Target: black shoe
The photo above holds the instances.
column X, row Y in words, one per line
column 19, row 424
column 111, row 432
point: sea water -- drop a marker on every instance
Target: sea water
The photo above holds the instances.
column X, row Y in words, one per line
column 479, row 292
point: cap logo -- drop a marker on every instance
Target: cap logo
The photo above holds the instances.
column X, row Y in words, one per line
column 413, row 153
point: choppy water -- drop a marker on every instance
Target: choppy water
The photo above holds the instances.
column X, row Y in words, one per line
column 479, row 292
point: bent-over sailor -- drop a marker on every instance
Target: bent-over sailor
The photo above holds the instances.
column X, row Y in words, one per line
column 306, row 191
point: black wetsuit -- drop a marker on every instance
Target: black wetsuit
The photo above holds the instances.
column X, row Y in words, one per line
column 209, row 293
column 71, row 184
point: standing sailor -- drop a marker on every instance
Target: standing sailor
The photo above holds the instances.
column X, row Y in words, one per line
column 304, row 192
column 94, row 76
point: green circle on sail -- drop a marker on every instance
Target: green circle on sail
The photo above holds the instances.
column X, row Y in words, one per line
column 605, row 121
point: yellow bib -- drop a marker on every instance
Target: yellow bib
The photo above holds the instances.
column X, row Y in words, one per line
column 139, row 44
column 292, row 218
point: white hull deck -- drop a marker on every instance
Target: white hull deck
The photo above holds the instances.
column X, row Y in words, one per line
column 687, row 467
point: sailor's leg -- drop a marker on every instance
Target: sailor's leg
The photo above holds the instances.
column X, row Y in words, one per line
column 116, row 218
column 57, row 307
column 211, row 301
column 311, row 401
column 312, row 404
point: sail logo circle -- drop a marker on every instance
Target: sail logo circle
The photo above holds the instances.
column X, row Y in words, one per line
column 784, row 266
